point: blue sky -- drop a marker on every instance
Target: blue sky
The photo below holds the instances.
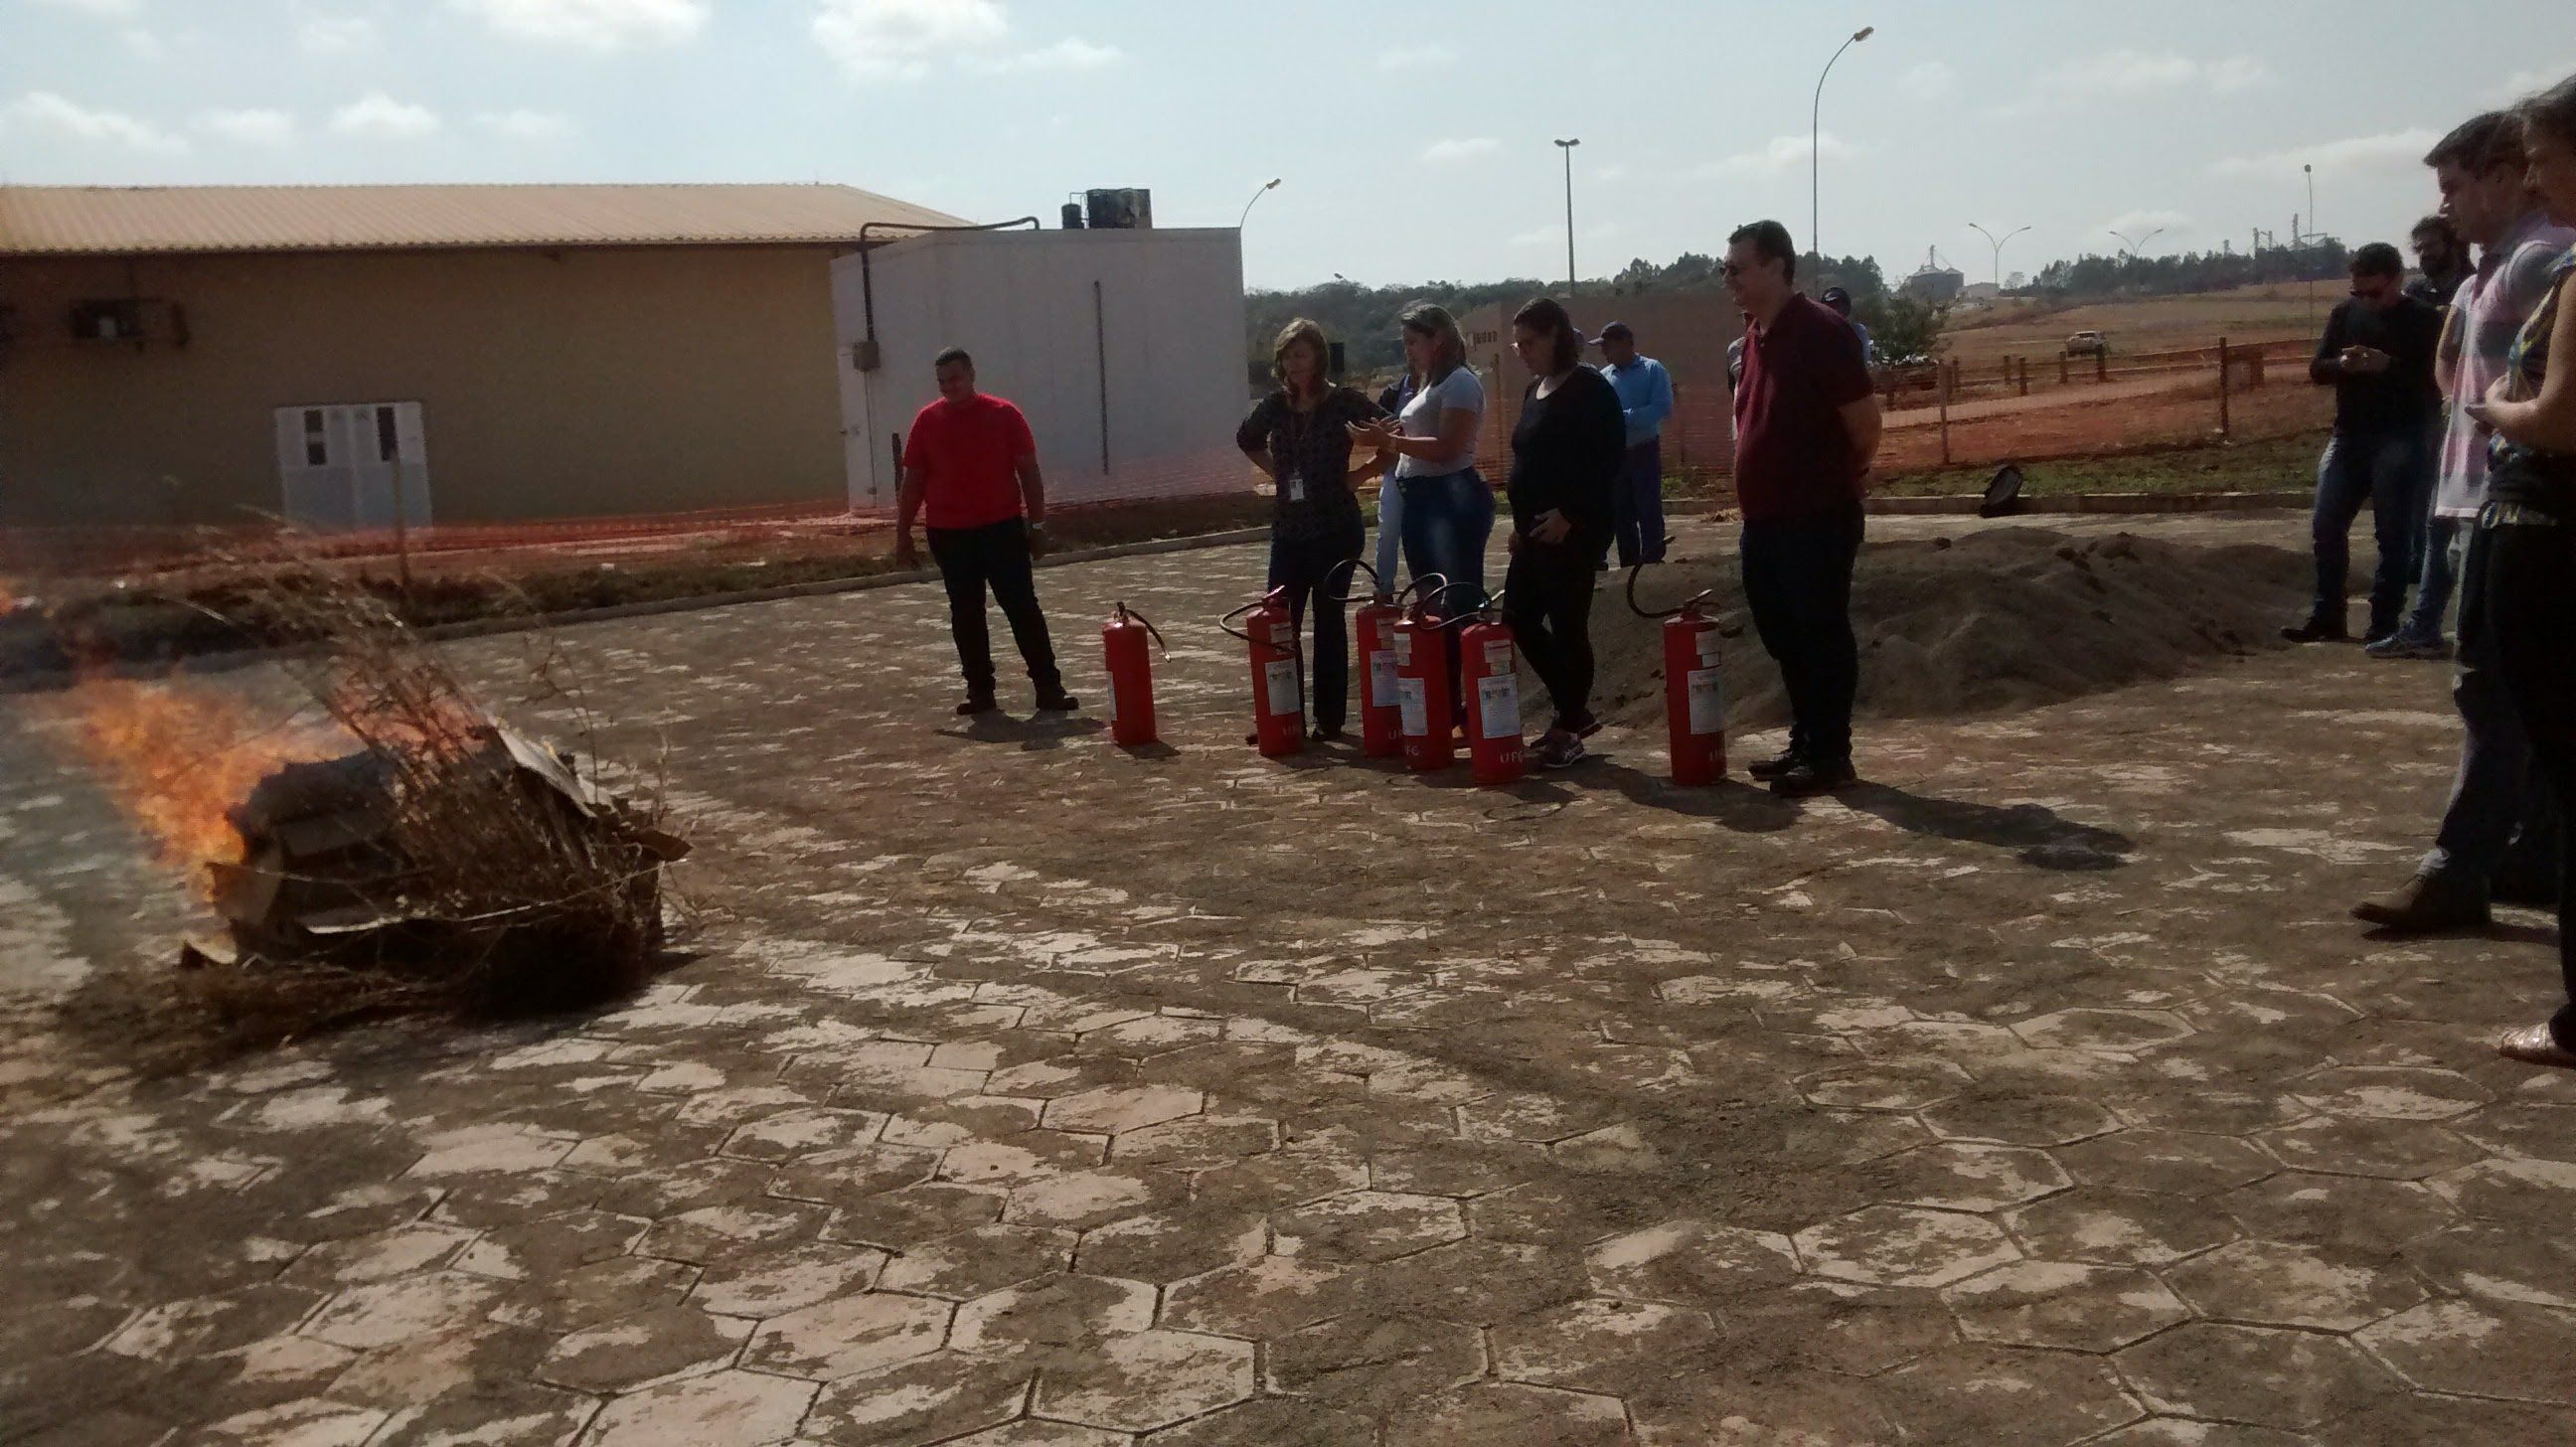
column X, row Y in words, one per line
column 1413, row 139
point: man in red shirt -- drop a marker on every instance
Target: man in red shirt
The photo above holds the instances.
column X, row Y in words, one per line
column 1806, row 427
column 971, row 460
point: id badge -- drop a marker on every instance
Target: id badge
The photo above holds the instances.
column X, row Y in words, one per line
column 1292, row 485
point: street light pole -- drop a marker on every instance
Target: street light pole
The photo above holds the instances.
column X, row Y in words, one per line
column 1568, row 148
column 1267, row 187
column 1815, row 155
column 2130, row 248
column 1999, row 248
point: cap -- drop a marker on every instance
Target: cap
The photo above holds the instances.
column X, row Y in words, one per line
column 1835, row 294
column 1616, row 330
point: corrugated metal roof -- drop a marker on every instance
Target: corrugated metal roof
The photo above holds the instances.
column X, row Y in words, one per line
column 143, row 220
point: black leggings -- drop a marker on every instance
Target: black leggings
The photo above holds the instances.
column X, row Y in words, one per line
column 1547, row 592
column 2531, row 612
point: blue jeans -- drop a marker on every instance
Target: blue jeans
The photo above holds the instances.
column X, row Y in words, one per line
column 1637, row 504
column 2498, row 816
column 1797, row 581
column 2388, row 471
column 2435, row 580
column 1447, row 520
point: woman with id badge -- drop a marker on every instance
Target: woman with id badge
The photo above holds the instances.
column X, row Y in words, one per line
column 1300, row 438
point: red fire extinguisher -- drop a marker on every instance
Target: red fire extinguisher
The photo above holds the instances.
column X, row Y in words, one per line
column 1278, row 700
column 1489, row 675
column 1694, row 689
column 1131, row 677
column 1381, row 710
column 1422, row 640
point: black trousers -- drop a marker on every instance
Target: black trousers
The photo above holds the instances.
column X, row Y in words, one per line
column 1312, row 572
column 2531, row 613
column 1798, row 580
column 973, row 559
column 1547, row 592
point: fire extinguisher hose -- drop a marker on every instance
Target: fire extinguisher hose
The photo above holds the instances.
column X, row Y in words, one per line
column 1125, row 613
column 1687, row 605
column 1377, row 584
column 1277, row 595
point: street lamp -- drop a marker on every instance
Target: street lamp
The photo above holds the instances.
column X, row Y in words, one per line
column 1568, row 148
column 1999, row 248
column 1815, row 139
column 1267, row 187
column 2130, row 248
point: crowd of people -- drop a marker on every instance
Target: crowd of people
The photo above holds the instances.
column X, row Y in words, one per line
column 2455, row 423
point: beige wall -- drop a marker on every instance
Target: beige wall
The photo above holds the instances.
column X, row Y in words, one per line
column 558, row 384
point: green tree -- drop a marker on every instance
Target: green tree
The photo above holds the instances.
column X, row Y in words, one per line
column 1905, row 328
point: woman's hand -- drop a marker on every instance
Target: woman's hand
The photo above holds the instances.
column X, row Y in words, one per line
column 1377, row 435
column 1551, row 528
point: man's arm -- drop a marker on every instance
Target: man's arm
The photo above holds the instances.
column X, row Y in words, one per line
column 1862, row 423
column 2446, row 352
column 1658, row 406
column 1032, row 489
column 2547, row 422
column 908, row 507
column 2326, row 368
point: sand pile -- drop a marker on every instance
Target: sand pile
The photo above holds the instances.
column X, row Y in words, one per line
column 1999, row 618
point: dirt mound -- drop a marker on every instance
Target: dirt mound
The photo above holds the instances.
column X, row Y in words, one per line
column 2000, row 618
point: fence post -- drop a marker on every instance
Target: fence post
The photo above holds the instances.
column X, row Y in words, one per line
column 1941, row 386
column 2222, row 387
column 2025, row 376
column 2062, row 377
column 2102, row 365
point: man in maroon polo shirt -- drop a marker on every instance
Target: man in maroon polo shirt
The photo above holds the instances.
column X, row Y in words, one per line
column 1806, row 427
column 971, row 460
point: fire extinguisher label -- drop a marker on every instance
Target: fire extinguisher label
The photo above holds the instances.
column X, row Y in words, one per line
column 1280, row 675
column 1381, row 665
column 1707, row 701
column 1404, row 648
column 1417, row 713
column 1709, row 644
column 1498, row 705
column 1498, row 656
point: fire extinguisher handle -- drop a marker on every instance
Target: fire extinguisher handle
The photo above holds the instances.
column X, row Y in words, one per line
column 1126, row 612
column 1640, row 609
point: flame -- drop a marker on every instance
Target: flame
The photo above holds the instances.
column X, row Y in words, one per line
column 177, row 760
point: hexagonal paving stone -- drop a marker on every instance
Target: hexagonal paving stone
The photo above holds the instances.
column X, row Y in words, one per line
column 1454, row 1168
column 1904, row 1246
column 549, row 1246
column 1840, row 1327
column 1274, row 1295
column 2511, row 1190
column 1045, row 1434
column 2520, row 1129
column 1375, row 1365
column 2019, row 1120
column 1061, row 1311
column 2353, row 1146
column 794, row 1134
column 1850, row 1137
column 1959, row 1176
column 986, row 1259
column 1478, row 1282
column 378, row 1256
column 2501, row 1263
column 493, row 1412
column 2267, row 1376
column 383, row 1313
column 1886, row 1084
column 2427, row 1417
column 2481, row 1348
column 2284, row 1285
column 2391, row 1092
column 1368, row 1226
column 2180, row 1163
column 1148, row 1380
column 727, row 1406
column 2119, row 1228
column 848, row 1334
column 925, row 1400
column 1196, row 1142
column 1021, row 1159
column 2184, row 1432
column 836, row 1178
column 2115, row 1031
column 1272, row 1422
column 607, row 1290
column 1085, row 1199
column 1599, row 1344
column 1107, row 1110
column 713, row 1235
column 180, row 1331
column 2064, row 1304
column 621, row 1355
column 1281, row 1178
column 297, row 1424
column 1690, row 1262
column 1174, row 1245
column 2357, row 1213
column 1794, row 1407
column 1495, row 1412
column 786, row 1281
column 916, row 1213
column 2001, row 1398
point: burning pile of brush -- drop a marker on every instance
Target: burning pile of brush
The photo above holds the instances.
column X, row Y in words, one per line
column 413, row 853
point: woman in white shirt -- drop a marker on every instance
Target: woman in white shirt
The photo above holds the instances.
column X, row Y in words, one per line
column 1448, row 511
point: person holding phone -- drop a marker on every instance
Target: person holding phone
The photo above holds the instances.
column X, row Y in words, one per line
column 1301, row 438
column 1448, row 509
column 1569, row 450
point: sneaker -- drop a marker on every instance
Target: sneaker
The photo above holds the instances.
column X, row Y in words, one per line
column 2400, row 645
column 2536, row 1045
column 1056, row 700
column 2318, row 630
column 1765, row 770
column 1323, row 735
column 1557, row 749
column 976, row 703
column 1805, row 779
column 1582, row 726
column 2424, row 906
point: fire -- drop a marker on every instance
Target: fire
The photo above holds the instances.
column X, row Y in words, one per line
column 176, row 761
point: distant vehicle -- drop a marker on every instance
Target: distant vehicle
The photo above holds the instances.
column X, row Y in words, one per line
column 2088, row 344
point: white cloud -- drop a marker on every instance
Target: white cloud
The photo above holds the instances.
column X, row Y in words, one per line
column 2523, row 83
column 527, row 125
column 900, row 38
column 1443, row 152
column 592, row 24
column 103, row 9
column 2391, row 152
column 381, row 117
column 336, row 35
column 1932, row 80
column 1417, row 57
column 1783, row 155
column 1070, row 53
column 1611, row 174
column 45, row 111
column 248, row 127
column 2131, row 74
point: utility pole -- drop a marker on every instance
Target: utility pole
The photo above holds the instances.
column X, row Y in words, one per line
column 1568, row 148
column 1999, row 248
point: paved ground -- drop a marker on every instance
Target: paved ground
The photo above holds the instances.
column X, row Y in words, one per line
column 1023, row 1093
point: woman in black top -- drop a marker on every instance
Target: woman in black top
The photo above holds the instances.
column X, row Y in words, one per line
column 2529, row 528
column 1299, row 436
column 1566, row 454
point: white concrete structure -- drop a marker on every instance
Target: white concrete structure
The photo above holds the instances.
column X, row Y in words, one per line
column 1125, row 349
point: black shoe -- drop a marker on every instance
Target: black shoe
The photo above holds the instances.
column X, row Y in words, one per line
column 976, row 703
column 2318, row 630
column 1806, row 779
column 1324, row 735
column 1056, row 700
column 2524, row 889
column 1765, row 770
column 2424, row 906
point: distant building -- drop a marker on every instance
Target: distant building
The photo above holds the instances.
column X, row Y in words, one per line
column 1934, row 282
column 1980, row 291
